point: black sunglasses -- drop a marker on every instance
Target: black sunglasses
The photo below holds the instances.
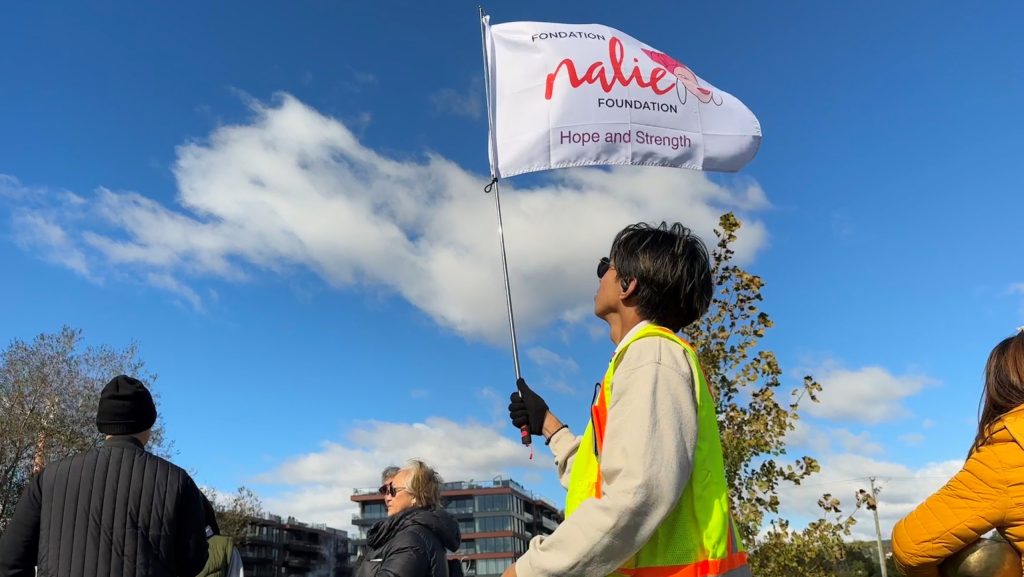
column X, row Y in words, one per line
column 389, row 489
column 603, row 265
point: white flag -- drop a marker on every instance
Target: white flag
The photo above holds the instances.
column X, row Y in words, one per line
column 566, row 95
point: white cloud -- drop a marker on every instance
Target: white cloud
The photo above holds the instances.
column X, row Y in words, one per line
column 1018, row 289
column 806, row 436
column 552, row 360
column 318, row 485
column 912, row 439
column 856, row 442
column 866, row 395
column 170, row 284
column 10, row 186
column 818, row 440
column 469, row 103
column 293, row 188
column 34, row 231
column 902, row 489
column 554, row 371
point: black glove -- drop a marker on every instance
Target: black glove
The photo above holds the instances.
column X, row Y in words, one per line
column 527, row 409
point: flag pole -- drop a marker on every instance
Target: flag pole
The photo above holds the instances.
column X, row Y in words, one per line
column 504, row 266
column 494, row 188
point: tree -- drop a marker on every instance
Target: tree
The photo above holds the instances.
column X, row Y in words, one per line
column 819, row 550
column 862, row 561
column 49, row 393
column 235, row 511
column 753, row 423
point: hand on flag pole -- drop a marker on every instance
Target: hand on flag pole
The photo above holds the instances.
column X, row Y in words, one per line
column 527, row 409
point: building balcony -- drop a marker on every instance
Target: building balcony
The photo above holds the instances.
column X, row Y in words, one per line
column 255, row 559
column 261, row 572
column 300, row 561
column 368, row 498
column 493, row 484
column 366, row 520
column 300, row 545
column 260, row 539
column 475, row 556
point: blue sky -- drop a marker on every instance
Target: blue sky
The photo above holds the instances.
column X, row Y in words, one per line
column 344, row 314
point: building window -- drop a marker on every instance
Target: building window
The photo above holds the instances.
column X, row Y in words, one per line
column 491, row 524
column 492, row 566
column 494, row 503
column 500, row 545
column 460, row 505
column 374, row 511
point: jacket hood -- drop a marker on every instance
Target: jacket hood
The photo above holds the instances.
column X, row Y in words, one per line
column 438, row 521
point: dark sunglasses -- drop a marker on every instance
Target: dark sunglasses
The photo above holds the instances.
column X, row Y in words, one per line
column 389, row 489
column 603, row 265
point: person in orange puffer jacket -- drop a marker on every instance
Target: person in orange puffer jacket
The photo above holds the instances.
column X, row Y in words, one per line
column 988, row 493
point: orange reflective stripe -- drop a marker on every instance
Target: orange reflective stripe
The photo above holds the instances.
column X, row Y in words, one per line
column 599, row 418
column 706, row 568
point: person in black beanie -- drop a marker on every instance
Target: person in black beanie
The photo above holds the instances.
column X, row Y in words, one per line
column 114, row 510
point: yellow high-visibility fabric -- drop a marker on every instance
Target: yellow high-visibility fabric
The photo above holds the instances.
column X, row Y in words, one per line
column 697, row 538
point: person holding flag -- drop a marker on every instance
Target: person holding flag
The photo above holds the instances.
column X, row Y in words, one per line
column 647, row 495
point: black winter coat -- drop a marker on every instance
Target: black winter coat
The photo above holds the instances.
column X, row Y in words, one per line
column 411, row 544
column 115, row 511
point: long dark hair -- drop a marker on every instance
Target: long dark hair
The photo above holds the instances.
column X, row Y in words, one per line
column 1004, row 385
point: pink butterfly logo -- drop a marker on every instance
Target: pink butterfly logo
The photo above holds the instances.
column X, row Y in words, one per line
column 684, row 76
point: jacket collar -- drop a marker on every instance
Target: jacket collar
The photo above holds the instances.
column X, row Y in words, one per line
column 125, row 441
column 438, row 521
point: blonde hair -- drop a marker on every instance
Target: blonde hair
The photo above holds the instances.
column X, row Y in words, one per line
column 423, row 483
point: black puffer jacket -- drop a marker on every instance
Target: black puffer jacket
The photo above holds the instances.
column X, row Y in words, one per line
column 112, row 511
column 411, row 544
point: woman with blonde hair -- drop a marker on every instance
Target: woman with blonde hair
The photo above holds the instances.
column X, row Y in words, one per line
column 988, row 493
column 413, row 540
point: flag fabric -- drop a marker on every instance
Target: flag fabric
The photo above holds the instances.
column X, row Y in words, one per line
column 564, row 95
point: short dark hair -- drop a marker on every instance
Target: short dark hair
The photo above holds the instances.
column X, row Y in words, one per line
column 672, row 269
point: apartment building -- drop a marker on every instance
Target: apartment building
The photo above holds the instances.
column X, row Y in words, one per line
column 276, row 547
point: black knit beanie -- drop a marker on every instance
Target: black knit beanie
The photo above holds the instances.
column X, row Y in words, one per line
column 126, row 407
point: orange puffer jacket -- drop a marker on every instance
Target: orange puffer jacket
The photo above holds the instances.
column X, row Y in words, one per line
column 988, row 493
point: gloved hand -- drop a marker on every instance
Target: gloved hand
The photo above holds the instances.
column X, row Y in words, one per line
column 527, row 408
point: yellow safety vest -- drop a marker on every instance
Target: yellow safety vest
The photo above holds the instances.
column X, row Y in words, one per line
column 697, row 538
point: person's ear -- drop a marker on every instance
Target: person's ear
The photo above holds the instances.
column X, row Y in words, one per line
column 628, row 288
